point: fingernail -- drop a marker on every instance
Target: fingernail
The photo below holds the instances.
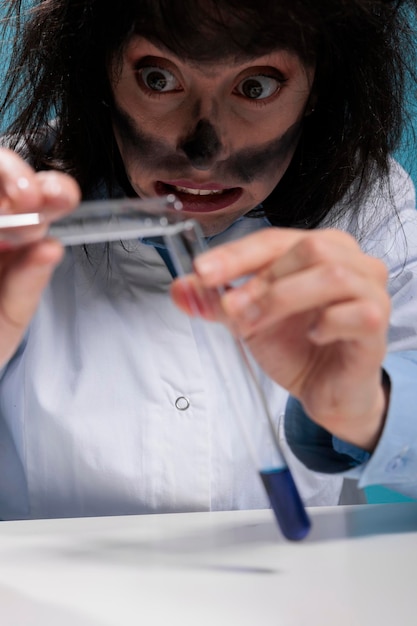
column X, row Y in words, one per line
column 14, row 187
column 22, row 183
column 208, row 267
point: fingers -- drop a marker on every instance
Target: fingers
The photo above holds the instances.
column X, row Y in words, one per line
column 60, row 193
column 359, row 320
column 24, row 277
column 27, row 260
column 22, row 190
column 296, row 272
column 18, row 187
column 263, row 301
column 292, row 248
column 329, row 248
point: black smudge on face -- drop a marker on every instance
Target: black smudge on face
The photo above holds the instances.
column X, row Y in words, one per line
column 202, row 146
column 152, row 153
column 258, row 162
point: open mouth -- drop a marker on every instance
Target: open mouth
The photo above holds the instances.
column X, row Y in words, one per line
column 202, row 199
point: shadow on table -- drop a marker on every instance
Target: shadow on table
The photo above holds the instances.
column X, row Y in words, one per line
column 328, row 525
column 215, row 542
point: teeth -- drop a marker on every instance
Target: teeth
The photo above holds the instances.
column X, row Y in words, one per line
column 199, row 192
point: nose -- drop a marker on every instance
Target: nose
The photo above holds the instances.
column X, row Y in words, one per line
column 202, row 146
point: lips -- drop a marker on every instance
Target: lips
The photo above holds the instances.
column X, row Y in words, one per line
column 200, row 197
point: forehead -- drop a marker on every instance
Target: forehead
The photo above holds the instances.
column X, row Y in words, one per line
column 213, row 30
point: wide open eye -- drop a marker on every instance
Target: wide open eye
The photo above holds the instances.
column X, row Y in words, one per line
column 258, row 87
column 158, row 79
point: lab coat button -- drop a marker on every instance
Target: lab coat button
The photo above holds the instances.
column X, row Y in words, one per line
column 182, row 403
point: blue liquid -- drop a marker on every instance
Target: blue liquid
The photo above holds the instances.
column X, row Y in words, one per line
column 286, row 503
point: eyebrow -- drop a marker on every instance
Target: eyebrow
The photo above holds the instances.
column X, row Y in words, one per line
column 217, row 55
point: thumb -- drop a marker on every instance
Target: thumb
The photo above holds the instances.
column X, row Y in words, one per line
column 24, row 274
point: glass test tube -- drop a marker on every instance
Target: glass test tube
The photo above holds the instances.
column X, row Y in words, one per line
column 267, row 457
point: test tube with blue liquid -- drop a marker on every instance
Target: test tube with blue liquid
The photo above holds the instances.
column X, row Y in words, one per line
column 268, row 457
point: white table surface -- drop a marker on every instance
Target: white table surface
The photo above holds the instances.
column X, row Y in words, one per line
column 358, row 567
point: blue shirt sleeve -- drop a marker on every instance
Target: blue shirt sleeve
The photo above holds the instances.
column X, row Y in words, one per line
column 393, row 462
column 316, row 447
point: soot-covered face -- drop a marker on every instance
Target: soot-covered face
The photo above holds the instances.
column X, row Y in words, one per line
column 219, row 135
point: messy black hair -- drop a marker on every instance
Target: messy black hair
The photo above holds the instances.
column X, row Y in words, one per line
column 362, row 50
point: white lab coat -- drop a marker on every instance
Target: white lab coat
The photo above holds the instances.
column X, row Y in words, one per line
column 113, row 405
